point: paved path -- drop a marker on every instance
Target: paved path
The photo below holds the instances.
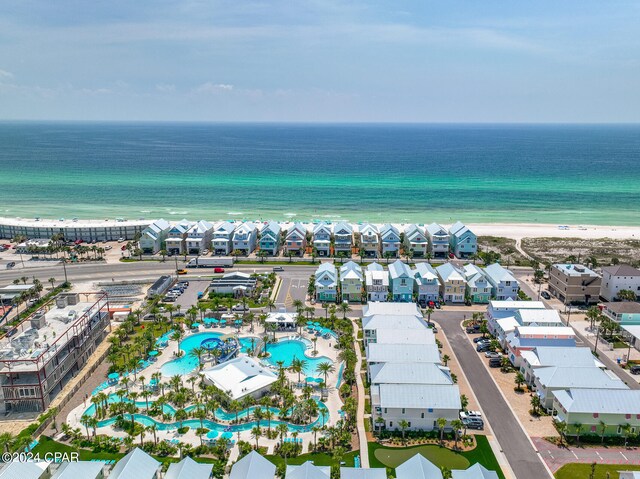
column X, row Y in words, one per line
column 522, row 457
column 556, row 456
column 362, row 434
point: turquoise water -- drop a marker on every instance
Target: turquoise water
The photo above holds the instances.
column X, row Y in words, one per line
column 289, row 349
column 565, row 174
column 187, row 363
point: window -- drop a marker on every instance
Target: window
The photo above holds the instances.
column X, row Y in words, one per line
column 430, row 409
column 385, row 410
column 403, row 411
column 421, row 415
column 390, row 423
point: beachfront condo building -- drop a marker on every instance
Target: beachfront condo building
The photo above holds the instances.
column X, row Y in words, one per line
column 376, row 282
column 342, row 239
column 351, row 282
column 326, row 283
column 415, row 241
column 153, row 237
column 390, row 239
column 617, row 278
column 598, row 411
column 50, row 348
column 296, row 240
column 401, row 281
column 322, row 239
column 427, row 283
column 438, row 240
column 73, row 229
column 478, row 287
column 574, row 283
column 462, row 241
column 222, row 242
column 199, row 237
column 452, row 284
column 245, row 238
column 270, row 238
column 504, row 286
column 369, row 240
column 177, row 237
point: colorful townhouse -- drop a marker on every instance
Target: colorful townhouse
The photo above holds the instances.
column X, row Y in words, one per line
column 342, row 239
column 504, row 286
column 452, row 283
column 177, row 237
column 527, row 338
column 245, row 238
column 222, row 241
column 326, row 283
column 322, row 239
column 390, row 239
column 369, row 240
column 427, row 284
column 438, row 240
column 401, row 282
column 296, row 240
column 377, row 282
column 462, row 241
column 416, row 241
column 270, row 238
column 478, row 287
column 152, row 238
column 199, row 237
column 351, row 282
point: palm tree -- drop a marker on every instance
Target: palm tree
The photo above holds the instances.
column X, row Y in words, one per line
column 325, row 368
column 561, row 427
column 535, row 404
column 445, row 359
column 403, row 426
column 297, row 366
column 344, row 308
column 578, row 429
column 283, row 430
column 256, row 432
column 7, row 439
column 379, row 422
column 441, row 422
column 519, row 380
column 626, row 431
column 603, row 430
column 153, row 428
column 198, row 352
column 85, row 420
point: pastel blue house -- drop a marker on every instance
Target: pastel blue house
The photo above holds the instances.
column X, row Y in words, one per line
column 390, row 239
column 270, row 238
column 322, row 239
column 401, row 281
column 478, row 286
column 463, row 242
column 427, row 283
column 326, row 283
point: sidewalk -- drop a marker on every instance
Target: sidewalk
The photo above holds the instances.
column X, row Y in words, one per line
column 362, row 434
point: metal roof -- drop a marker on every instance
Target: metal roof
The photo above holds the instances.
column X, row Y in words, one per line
column 398, row 269
column 359, row 473
column 568, row 377
column 23, row 470
column 561, row 356
column 477, row 471
column 79, row 470
column 392, row 321
column 418, row 467
column 405, row 336
column 403, row 353
column 495, row 272
column 601, row 401
column 621, row 270
column 189, row 469
column 378, row 307
column 419, row 396
column 253, row 466
column 137, row 464
column 308, row 471
column 410, row 373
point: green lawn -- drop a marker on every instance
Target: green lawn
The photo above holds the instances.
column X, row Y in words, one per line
column 319, row 459
column 582, row 471
column 381, row 456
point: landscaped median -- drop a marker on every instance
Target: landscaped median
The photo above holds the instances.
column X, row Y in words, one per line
column 384, row 456
column 601, row 471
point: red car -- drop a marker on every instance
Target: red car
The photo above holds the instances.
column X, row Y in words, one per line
column 218, row 270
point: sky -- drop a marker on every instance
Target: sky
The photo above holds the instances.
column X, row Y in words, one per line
column 321, row 60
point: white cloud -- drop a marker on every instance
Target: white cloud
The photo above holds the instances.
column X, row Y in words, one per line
column 210, row 87
column 165, row 88
column 5, row 74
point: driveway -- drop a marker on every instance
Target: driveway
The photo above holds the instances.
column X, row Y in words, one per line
column 522, row 457
column 556, row 456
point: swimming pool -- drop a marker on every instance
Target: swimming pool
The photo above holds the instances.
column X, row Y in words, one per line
column 187, row 363
column 289, row 349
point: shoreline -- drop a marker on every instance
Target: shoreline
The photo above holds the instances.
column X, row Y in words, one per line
column 516, row 231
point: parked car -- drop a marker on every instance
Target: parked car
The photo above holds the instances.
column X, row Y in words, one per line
column 480, row 339
column 492, row 355
column 431, row 304
column 178, row 315
column 473, row 329
column 239, row 308
column 495, row 362
column 437, row 304
column 11, row 265
column 222, row 308
column 473, row 423
column 205, row 252
column 635, row 369
column 483, row 347
column 169, row 298
column 467, row 414
column 545, row 295
column 120, row 240
column 149, row 317
column 108, row 247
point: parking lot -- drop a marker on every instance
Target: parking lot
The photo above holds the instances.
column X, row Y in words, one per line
column 190, row 295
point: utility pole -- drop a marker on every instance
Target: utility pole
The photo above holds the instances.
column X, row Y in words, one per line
column 64, row 266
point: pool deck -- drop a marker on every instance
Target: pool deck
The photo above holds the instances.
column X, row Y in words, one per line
column 324, row 347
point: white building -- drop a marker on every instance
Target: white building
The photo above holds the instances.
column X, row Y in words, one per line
column 617, row 278
column 390, row 239
column 77, row 470
column 241, row 377
column 549, row 356
column 188, row 469
column 326, row 283
column 74, row 229
column 153, row 236
column 504, row 285
column 369, row 240
column 245, row 238
column 199, row 237
column 499, row 310
column 416, row 240
column 308, row 471
column 253, row 466
column 137, row 464
column 222, row 241
column 377, row 282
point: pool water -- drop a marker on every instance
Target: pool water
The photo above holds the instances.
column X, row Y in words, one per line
column 187, row 363
column 289, row 349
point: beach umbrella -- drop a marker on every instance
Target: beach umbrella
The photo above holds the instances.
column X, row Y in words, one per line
column 238, row 321
column 223, row 321
column 195, row 325
column 153, row 353
column 309, row 323
column 309, row 379
column 212, row 434
column 227, row 435
column 114, row 376
column 214, row 321
column 319, row 380
column 316, row 323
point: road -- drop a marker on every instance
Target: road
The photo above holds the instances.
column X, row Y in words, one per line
column 522, row 457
